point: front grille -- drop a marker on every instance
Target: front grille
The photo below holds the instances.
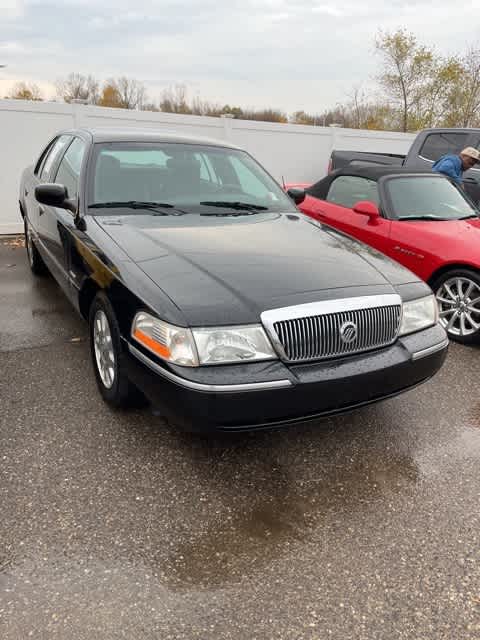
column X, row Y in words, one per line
column 338, row 334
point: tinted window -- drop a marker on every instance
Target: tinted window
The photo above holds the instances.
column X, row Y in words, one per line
column 43, row 156
column 437, row 145
column 53, row 153
column 348, row 190
column 68, row 172
column 247, row 179
column 425, row 196
column 183, row 175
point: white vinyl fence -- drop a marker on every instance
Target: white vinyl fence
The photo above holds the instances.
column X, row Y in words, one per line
column 296, row 153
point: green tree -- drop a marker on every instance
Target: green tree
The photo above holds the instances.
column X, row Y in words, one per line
column 408, row 69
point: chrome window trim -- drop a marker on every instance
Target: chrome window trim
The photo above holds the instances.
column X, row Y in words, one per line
column 427, row 159
column 198, row 386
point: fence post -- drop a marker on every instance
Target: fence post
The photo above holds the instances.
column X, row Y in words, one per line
column 227, row 126
column 78, row 112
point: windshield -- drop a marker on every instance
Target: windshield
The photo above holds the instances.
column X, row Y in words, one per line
column 429, row 198
column 182, row 178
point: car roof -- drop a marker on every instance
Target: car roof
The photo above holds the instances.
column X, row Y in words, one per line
column 130, row 134
column 377, row 172
column 320, row 189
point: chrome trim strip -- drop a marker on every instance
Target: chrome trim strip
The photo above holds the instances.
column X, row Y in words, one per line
column 329, row 306
column 417, row 355
column 198, row 386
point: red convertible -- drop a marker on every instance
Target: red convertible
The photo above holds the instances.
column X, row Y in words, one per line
column 421, row 220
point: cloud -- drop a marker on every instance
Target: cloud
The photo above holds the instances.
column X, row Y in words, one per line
column 305, row 54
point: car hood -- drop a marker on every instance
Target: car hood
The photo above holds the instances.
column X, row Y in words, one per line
column 456, row 240
column 227, row 270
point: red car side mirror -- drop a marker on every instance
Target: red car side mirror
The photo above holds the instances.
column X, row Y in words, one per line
column 367, row 208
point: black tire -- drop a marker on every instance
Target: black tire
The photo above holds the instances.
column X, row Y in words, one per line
column 121, row 393
column 466, row 276
column 35, row 260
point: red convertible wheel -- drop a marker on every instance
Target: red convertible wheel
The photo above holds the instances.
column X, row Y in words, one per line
column 458, row 297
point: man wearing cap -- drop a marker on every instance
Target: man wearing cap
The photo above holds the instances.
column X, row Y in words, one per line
column 453, row 165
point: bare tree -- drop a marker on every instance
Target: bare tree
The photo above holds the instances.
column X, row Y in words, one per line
column 174, row 100
column 467, row 89
column 78, row 87
column 132, row 92
column 26, row 91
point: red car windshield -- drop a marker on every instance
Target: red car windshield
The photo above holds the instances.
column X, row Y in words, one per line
column 427, row 198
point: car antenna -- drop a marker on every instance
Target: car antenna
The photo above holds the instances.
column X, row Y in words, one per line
column 283, row 182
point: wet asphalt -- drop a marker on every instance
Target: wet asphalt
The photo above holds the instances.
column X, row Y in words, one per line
column 114, row 525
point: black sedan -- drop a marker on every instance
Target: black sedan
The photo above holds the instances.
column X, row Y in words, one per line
column 210, row 294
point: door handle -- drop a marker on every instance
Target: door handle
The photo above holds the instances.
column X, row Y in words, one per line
column 26, row 191
column 41, row 211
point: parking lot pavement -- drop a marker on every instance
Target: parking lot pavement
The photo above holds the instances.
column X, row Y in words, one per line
column 114, row 525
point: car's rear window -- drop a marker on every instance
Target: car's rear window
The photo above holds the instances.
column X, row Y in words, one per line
column 346, row 191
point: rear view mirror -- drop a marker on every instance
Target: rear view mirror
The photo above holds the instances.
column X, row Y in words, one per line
column 54, row 195
column 297, row 195
column 366, row 208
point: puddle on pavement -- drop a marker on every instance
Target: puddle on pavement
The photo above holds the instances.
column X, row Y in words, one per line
column 270, row 521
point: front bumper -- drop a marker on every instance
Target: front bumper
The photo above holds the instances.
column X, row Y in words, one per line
column 264, row 395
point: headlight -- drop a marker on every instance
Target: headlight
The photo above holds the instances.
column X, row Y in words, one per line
column 174, row 344
column 419, row 314
column 193, row 347
column 232, row 344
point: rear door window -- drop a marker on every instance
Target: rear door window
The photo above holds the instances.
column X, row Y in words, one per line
column 52, row 156
column 346, row 191
column 437, row 145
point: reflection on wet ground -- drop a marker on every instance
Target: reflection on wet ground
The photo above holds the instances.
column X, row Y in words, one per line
column 115, row 525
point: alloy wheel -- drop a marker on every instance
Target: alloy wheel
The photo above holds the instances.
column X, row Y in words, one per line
column 104, row 352
column 459, row 306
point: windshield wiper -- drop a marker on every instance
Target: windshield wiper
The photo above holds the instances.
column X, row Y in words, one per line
column 238, row 206
column 139, row 204
column 472, row 215
column 426, row 217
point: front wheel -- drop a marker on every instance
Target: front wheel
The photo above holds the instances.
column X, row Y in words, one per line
column 108, row 357
column 458, row 298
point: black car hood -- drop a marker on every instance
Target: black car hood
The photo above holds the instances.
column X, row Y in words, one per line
column 221, row 270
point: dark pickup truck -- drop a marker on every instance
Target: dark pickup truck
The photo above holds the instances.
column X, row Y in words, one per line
column 428, row 146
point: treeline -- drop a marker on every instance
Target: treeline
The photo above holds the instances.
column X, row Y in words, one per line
column 129, row 93
column 416, row 87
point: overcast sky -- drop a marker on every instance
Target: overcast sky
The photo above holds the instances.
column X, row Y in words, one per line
column 300, row 54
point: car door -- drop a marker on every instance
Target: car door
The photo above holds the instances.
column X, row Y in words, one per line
column 55, row 224
column 413, row 248
column 337, row 210
column 419, row 244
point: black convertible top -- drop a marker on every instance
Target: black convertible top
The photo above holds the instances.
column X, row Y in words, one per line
column 320, row 188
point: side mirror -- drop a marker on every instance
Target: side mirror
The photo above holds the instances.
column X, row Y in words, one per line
column 297, row 195
column 366, row 208
column 54, row 195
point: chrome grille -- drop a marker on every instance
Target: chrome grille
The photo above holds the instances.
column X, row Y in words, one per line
column 318, row 336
